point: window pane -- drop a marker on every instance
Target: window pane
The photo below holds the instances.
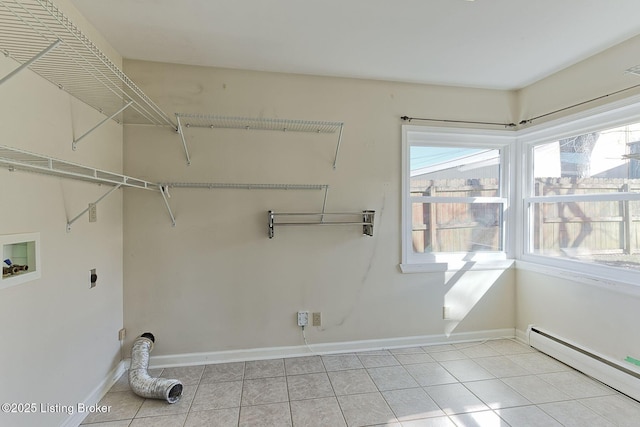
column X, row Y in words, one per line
column 596, row 162
column 456, row 227
column 487, row 187
column 454, row 171
column 601, row 232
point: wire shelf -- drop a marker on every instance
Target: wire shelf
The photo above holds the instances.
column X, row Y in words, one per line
column 15, row 159
column 234, row 186
column 76, row 65
column 187, row 120
column 214, row 121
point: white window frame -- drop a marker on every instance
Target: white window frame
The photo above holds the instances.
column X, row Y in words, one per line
column 606, row 117
column 473, row 138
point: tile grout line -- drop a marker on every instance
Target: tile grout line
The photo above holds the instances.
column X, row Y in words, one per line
column 335, row 395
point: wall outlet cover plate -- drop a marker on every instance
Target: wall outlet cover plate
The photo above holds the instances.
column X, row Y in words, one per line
column 303, row 318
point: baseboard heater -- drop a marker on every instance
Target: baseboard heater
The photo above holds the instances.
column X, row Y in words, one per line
column 604, row 369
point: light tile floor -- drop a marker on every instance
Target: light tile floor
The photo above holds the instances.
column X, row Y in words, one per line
column 486, row 384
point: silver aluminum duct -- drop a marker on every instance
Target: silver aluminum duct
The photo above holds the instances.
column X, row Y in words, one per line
column 141, row 382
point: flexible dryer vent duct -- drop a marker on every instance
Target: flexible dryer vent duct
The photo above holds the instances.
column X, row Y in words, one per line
column 144, row 385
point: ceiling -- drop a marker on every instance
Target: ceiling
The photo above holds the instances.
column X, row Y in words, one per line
column 495, row 44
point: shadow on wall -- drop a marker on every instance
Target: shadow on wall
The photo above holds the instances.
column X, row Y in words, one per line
column 465, row 290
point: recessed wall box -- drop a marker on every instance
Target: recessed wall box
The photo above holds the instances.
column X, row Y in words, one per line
column 20, row 258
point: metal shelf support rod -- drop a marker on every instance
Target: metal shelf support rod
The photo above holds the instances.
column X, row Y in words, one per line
column 184, row 143
column 164, row 192
column 74, row 145
column 325, row 223
column 30, row 61
column 89, row 207
column 335, row 159
column 324, row 203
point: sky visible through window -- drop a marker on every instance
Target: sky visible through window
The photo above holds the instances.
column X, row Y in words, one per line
column 427, row 157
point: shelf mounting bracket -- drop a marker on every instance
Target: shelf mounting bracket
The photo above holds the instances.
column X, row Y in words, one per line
column 89, row 207
column 324, row 203
column 184, row 143
column 30, row 61
column 74, row 145
column 164, row 190
column 335, row 159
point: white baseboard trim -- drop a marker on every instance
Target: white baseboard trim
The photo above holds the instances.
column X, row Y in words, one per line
column 522, row 336
column 205, row 358
column 98, row 393
column 615, row 373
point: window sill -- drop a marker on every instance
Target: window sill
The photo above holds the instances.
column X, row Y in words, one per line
column 435, row 267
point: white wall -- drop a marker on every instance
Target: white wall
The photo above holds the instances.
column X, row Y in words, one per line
column 59, row 338
column 595, row 77
column 217, row 282
column 602, row 318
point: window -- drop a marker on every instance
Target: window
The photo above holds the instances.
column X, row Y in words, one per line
column 455, row 197
column 576, row 207
column 583, row 200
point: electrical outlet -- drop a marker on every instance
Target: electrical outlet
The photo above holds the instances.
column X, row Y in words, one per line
column 303, row 318
column 121, row 334
column 316, row 318
column 93, row 212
